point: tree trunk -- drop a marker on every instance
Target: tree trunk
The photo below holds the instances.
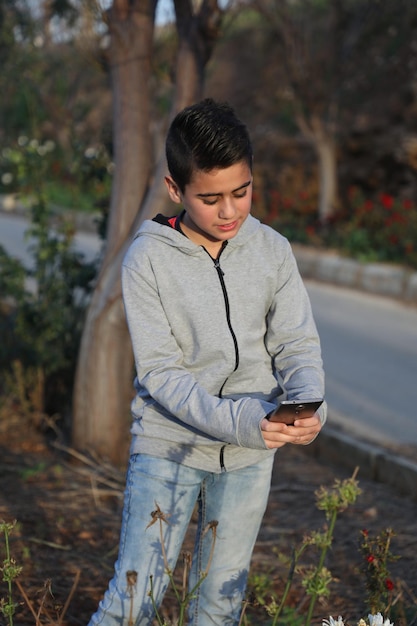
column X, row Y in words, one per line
column 104, row 372
column 325, row 146
column 103, row 386
column 327, row 162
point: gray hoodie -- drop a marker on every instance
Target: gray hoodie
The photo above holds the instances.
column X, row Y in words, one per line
column 216, row 343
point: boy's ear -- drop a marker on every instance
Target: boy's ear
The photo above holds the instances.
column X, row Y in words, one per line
column 173, row 190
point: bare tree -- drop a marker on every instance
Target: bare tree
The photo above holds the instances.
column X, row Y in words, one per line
column 104, row 375
column 305, row 33
column 337, row 55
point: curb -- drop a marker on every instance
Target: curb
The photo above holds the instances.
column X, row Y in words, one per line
column 384, row 279
column 375, row 462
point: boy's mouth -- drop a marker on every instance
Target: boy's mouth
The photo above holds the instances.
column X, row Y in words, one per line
column 227, row 227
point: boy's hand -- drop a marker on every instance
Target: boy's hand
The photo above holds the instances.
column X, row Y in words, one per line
column 303, row 431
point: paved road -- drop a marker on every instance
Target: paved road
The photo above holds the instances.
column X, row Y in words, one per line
column 370, row 357
column 369, row 350
column 13, row 239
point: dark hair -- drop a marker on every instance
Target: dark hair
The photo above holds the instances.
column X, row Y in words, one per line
column 205, row 136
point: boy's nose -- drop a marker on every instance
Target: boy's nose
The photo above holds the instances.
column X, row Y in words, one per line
column 227, row 208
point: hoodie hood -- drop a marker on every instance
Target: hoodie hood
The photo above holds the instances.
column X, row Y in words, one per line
column 172, row 237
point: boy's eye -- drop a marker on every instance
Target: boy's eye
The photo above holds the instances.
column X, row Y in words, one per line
column 214, row 200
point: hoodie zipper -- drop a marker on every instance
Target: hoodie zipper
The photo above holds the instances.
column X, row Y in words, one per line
column 220, row 274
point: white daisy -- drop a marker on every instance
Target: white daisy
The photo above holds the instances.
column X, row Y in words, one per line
column 333, row 622
column 378, row 620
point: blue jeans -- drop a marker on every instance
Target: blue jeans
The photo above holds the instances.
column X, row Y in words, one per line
column 237, row 500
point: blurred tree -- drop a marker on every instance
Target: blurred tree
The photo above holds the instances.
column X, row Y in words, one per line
column 16, row 25
column 50, row 79
column 305, row 31
column 335, row 54
column 104, row 374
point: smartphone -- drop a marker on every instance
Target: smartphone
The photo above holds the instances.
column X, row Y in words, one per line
column 290, row 410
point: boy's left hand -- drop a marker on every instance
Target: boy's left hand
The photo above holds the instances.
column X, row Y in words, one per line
column 303, row 431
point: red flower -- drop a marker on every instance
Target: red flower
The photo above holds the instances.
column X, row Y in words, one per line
column 370, row 558
column 386, row 200
column 365, row 532
column 389, row 584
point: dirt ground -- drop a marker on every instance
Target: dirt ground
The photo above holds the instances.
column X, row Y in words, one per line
column 68, row 517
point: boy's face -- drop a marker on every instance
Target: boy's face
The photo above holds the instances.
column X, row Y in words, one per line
column 216, row 204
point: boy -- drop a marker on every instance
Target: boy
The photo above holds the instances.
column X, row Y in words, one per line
column 222, row 330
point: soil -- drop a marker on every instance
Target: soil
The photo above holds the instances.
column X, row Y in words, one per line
column 68, row 510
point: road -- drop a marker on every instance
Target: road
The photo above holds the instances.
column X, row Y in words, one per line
column 13, row 239
column 370, row 357
column 369, row 351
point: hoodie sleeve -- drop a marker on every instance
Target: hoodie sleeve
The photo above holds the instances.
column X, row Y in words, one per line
column 292, row 338
column 161, row 372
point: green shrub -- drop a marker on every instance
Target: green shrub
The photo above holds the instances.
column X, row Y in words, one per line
column 42, row 311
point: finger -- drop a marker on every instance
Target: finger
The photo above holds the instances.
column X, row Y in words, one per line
column 313, row 423
column 308, row 422
column 275, row 435
column 304, row 433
